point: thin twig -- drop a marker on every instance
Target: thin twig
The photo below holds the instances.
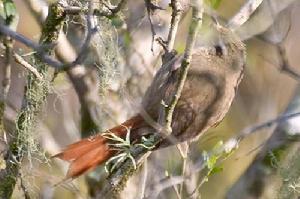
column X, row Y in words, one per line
column 248, row 131
column 244, row 13
column 90, row 31
column 40, row 49
column 164, row 184
column 184, row 166
column 150, row 7
column 176, row 14
column 197, row 11
column 232, row 143
column 20, row 60
column 7, row 66
column 110, row 12
column 144, row 179
column 24, row 188
column 117, row 8
column 176, row 191
column 285, row 66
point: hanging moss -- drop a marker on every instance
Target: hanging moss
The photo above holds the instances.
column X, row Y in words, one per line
column 36, row 92
column 109, row 62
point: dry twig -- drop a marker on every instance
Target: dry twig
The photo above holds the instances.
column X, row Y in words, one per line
column 110, row 12
column 19, row 59
column 176, row 13
column 243, row 15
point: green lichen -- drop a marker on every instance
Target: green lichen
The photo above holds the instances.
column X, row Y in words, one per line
column 35, row 95
column 272, row 159
column 127, row 172
column 53, row 24
column 105, row 45
column 8, row 182
column 290, row 174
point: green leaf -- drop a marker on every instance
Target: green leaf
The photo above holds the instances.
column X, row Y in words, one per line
column 117, row 21
column 212, row 161
column 127, row 39
column 8, row 14
column 9, row 8
column 216, row 170
column 213, row 3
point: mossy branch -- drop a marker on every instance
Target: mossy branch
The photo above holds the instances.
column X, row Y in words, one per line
column 108, row 11
column 36, row 91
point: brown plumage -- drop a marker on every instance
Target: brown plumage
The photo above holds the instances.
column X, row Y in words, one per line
column 208, row 92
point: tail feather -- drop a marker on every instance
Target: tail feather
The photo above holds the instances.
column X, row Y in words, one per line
column 76, row 150
column 88, row 153
column 89, row 161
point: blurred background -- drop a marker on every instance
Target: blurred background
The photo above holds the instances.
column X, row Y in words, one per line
column 108, row 87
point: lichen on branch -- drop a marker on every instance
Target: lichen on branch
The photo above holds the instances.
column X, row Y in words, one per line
column 36, row 91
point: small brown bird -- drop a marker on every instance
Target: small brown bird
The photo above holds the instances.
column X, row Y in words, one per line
column 210, row 87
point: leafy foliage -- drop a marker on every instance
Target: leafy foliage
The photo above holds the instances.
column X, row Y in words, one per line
column 213, row 157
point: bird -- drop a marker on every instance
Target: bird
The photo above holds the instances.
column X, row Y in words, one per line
column 214, row 75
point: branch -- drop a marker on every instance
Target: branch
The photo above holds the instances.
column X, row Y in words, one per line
column 166, row 118
column 285, row 66
column 35, row 94
column 90, row 31
column 231, row 144
column 20, row 60
column 157, row 187
column 79, row 75
column 262, row 168
column 110, row 12
column 176, row 14
column 40, row 49
column 244, row 14
column 8, row 43
column 151, row 7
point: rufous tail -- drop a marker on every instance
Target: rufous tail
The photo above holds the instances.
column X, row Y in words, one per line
column 88, row 153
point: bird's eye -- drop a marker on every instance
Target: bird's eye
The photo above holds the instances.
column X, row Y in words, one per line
column 219, row 50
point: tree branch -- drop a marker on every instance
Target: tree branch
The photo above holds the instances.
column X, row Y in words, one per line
column 40, row 49
column 19, row 59
column 176, row 14
column 110, row 12
column 284, row 65
column 255, row 178
column 79, row 75
column 244, row 14
column 197, row 11
column 35, row 94
column 232, row 143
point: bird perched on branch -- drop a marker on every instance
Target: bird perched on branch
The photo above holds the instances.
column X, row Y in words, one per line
column 214, row 75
